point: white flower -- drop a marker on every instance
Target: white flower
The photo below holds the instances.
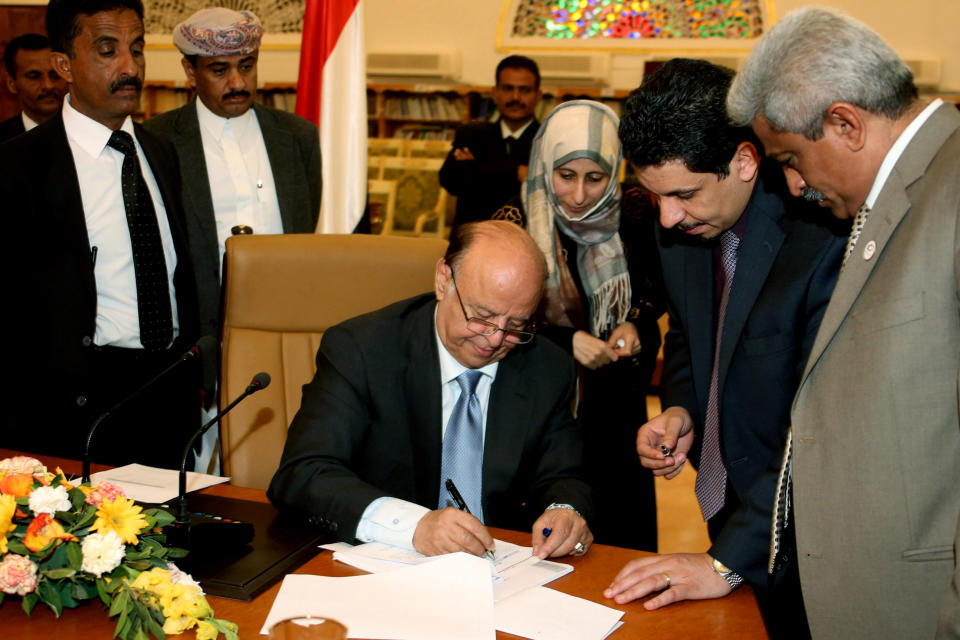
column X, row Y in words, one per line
column 179, row 577
column 102, row 553
column 49, row 500
column 22, row 464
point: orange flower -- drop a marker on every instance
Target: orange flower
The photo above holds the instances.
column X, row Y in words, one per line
column 43, row 530
column 18, row 485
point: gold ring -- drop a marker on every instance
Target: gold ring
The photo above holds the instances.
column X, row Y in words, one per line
column 667, row 578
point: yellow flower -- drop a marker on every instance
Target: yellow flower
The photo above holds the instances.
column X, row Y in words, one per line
column 121, row 516
column 43, row 530
column 176, row 625
column 156, row 580
column 8, row 506
column 206, row 631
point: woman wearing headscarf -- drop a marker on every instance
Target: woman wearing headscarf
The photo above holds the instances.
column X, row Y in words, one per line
column 601, row 302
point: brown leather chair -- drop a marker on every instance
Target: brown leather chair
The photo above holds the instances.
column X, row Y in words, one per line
column 281, row 292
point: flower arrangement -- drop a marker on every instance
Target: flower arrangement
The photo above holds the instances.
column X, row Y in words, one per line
column 63, row 546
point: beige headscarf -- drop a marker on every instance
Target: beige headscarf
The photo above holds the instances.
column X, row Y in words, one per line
column 579, row 129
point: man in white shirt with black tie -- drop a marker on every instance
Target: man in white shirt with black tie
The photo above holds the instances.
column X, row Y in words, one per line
column 109, row 290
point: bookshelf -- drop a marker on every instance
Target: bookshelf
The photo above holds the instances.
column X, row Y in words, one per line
column 397, row 110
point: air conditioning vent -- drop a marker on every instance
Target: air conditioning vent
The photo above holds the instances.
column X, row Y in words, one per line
column 580, row 69
column 444, row 65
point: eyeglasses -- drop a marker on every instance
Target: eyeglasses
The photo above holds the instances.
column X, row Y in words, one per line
column 484, row 328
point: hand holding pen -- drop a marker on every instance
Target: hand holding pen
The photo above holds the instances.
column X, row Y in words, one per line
column 663, row 442
column 449, row 530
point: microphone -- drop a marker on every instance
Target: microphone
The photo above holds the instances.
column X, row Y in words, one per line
column 188, row 531
column 205, row 349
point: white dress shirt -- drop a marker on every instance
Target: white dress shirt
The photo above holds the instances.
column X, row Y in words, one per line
column 507, row 133
column 99, row 169
column 394, row 521
column 28, row 122
column 241, row 180
column 897, row 150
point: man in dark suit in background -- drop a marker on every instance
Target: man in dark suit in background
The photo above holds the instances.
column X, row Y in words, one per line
column 105, row 294
column 30, row 77
column 245, row 167
column 390, row 414
column 737, row 253
column 488, row 162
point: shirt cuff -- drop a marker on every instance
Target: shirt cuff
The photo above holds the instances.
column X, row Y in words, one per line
column 390, row 521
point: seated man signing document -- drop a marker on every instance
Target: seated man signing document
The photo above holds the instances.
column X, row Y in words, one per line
column 448, row 384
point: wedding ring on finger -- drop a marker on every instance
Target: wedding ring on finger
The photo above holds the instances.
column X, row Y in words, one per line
column 579, row 549
column 621, row 343
column 666, row 577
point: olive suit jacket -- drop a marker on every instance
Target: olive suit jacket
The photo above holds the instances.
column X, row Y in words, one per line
column 876, row 430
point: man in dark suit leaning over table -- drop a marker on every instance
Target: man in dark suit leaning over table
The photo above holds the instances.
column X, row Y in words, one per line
column 104, row 296
column 444, row 385
column 243, row 164
column 726, row 406
column 488, row 162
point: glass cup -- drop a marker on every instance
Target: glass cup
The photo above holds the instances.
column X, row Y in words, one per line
column 308, row 628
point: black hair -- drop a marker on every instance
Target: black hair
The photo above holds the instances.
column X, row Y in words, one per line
column 62, row 18
column 679, row 112
column 192, row 59
column 519, row 62
column 25, row 42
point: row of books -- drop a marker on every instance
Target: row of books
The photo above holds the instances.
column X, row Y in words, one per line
column 424, row 107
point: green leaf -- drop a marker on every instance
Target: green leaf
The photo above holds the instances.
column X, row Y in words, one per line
column 120, row 602
column 176, row 552
column 156, row 629
column 50, row 596
column 161, row 516
column 16, row 546
column 29, row 602
column 66, row 588
column 74, row 555
column 225, row 627
column 82, row 590
column 140, row 634
column 122, row 630
column 59, row 574
column 1, row 597
column 58, row 559
column 105, row 595
column 87, row 517
column 140, row 565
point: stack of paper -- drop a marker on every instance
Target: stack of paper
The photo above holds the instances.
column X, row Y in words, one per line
column 151, row 484
column 522, row 605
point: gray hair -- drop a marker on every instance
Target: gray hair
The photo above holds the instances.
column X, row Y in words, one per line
column 812, row 58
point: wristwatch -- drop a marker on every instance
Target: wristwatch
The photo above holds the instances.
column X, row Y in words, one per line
column 733, row 578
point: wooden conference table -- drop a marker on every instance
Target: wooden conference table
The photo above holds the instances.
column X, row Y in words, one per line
column 735, row 616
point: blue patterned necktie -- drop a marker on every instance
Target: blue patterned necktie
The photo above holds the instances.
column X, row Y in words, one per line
column 462, row 459
column 711, row 483
column 149, row 263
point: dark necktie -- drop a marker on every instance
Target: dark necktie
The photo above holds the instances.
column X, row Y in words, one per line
column 712, row 475
column 462, row 459
column 149, row 264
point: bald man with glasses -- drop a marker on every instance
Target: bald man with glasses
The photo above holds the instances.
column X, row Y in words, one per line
column 446, row 385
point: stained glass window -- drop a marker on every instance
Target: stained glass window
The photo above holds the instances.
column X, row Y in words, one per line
column 638, row 19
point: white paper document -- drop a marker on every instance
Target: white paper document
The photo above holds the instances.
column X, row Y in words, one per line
column 151, row 484
column 514, row 567
column 541, row 613
column 449, row 598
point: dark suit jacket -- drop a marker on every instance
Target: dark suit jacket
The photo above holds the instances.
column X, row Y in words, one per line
column 11, row 127
column 489, row 181
column 369, row 426
column 293, row 146
column 49, row 330
column 785, row 274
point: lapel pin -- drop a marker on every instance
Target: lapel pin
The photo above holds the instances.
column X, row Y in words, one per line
column 869, row 249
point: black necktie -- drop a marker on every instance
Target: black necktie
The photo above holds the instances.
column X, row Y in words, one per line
column 149, row 264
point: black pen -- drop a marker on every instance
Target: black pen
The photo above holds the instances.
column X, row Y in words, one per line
column 93, row 255
column 458, row 500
